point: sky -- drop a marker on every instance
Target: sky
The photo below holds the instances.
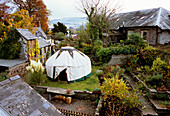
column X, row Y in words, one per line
column 67, row 8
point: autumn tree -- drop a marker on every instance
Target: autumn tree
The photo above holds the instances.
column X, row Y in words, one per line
column 21, row 19
column 99, row 14
column 36, row 9
column 4, row 10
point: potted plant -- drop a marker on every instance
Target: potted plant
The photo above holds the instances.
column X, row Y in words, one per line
column 96, row 91
column 68, row 91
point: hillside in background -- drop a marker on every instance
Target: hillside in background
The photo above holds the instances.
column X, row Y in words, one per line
column 73, row 22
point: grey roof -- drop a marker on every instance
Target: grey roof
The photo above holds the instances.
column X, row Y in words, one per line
column 40, row 32
column 26, row 34
column 149, row 17
column 42, row 42
column 17, row 98
column 11, row 63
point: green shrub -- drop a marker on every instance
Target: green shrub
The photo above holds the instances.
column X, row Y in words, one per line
column 100, row 73
column 10, row 44
column 3, row 76
column 98, row 42
column 149, row 54
column 105, row 54
column 97, row 89
column 118, row 70
column 155, row 79
column 59, row 36
column 97, row 48
column 135, row 39
column 77, row 47
column 87, row 49
column 158, row 64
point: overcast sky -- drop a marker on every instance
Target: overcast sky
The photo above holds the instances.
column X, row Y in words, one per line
column 67, row 8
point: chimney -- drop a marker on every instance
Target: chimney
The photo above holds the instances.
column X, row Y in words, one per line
column 39, row 24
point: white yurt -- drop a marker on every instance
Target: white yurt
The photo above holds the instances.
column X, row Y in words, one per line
column 68, row 64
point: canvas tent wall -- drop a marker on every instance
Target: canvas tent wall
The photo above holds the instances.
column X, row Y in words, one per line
column 76, row 63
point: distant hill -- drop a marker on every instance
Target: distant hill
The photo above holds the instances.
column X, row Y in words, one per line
column 73, row 22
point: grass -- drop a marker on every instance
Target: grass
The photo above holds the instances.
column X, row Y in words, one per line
column 89, row 84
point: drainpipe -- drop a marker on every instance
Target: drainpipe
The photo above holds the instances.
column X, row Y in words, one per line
column 157, row 35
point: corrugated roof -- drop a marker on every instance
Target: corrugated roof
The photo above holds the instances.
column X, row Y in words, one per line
column 148, row 17
column 26, row 34
column 19, row 99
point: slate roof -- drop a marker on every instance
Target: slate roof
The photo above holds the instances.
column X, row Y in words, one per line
column 11, row 63
column 17, row 98
column 26, row 34
column 42, row 42
column 40, row 33
column 29, row 36
column 143, row 18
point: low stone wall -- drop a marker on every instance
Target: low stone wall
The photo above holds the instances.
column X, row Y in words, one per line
column 86, row 95
column 117, row 59
column 18, row 70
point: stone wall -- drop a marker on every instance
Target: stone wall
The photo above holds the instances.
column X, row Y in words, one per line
column 164, row 37
column 86, row 95
column 18, row 70
column 117, row 59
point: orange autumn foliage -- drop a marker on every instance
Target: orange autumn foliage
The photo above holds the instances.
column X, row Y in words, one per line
column 35, row 8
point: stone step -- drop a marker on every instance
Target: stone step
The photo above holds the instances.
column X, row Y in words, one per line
column 161, row 109
column 147, row 110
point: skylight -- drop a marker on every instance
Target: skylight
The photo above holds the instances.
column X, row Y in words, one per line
column 3, row 112
column 142, row 17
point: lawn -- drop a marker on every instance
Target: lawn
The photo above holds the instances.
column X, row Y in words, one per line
column 89, row 84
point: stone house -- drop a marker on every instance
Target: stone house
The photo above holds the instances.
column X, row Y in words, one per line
column 152, row 24
column 17, row 98
column 29, row 43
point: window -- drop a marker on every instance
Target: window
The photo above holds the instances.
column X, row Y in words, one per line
column 130, row 32
column 145, row 34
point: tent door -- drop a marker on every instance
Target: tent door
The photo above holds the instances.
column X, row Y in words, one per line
column 63, row 75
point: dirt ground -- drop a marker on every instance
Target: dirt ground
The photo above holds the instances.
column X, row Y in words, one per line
column 83, row 106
